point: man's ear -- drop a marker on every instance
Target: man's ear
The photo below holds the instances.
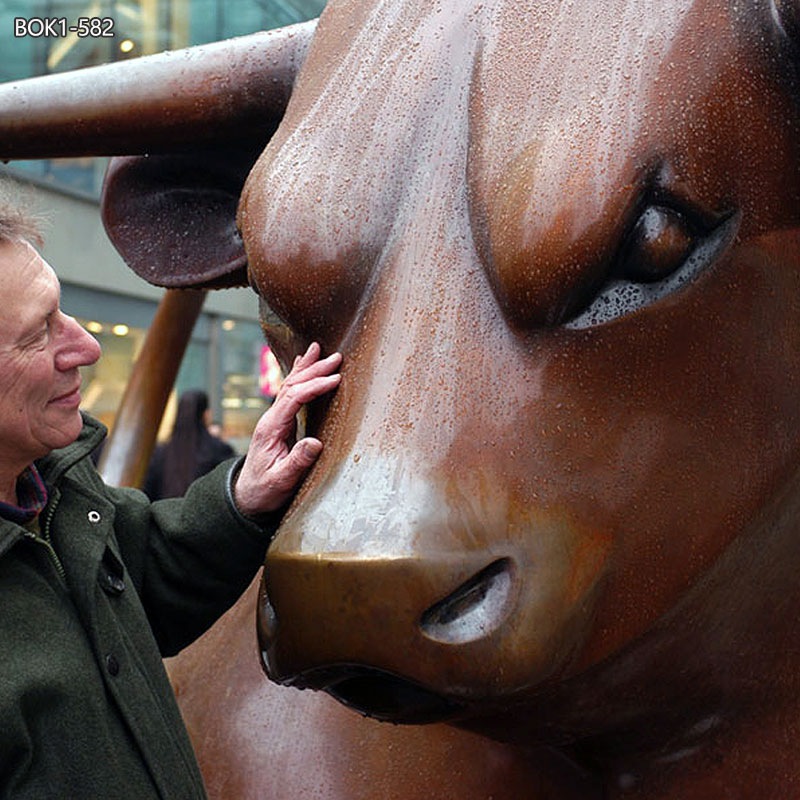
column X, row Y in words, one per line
column 173, row 217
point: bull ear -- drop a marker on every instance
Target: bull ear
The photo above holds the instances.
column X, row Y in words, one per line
column 173, row 217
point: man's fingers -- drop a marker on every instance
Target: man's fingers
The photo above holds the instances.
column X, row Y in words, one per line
column 300, row 393
column 289, row 471
column 268, row 489
column 311, row 355
column 272, row 471
column 279, row 421
column 310, row 378
column 306, row 452
column 306, row 369
column 286, row 472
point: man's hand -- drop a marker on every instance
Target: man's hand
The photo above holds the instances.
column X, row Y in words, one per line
column 271, row 471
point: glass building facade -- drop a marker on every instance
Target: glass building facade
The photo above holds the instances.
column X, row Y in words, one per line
column 226, row 355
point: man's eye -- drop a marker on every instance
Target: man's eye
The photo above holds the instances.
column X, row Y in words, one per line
column 664, row 251
column 46, row 331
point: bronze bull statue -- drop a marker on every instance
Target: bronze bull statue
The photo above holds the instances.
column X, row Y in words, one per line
column 557, row 516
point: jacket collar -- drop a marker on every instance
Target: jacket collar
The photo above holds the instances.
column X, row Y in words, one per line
column 55, row 464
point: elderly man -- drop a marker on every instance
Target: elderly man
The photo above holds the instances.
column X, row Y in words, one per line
column 97, row 583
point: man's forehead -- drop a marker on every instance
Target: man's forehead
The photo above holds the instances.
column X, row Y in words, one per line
column 29, row 290
column 21, row 263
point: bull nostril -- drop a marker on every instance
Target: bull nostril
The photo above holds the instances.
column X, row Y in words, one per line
column 473, row 610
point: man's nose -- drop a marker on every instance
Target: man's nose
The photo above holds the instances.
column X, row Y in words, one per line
column 77, row 348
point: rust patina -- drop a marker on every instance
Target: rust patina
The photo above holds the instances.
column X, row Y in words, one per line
column 557, row 513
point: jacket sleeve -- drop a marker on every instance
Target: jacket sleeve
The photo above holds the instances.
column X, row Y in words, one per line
column 190, row 558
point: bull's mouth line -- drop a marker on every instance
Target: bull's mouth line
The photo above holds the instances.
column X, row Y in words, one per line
column 380, row 695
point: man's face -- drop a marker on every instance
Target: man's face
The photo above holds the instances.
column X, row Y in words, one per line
column 41, row 349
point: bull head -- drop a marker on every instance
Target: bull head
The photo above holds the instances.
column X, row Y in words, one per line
column 561, row 256
column 558, row 245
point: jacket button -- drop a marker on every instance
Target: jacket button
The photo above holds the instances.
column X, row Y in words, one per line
column 94, row 517
column 112, row 665
column 112, row 584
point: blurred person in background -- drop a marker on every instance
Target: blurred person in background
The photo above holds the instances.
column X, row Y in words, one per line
column 190, row 452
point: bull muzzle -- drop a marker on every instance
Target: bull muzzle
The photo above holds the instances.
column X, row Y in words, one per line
column 363, row 588
column 360, row 623
column 396, row 596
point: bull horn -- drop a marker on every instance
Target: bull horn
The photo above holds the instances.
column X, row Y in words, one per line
column 165, row 103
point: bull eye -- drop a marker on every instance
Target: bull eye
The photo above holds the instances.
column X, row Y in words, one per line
column 665, row 250
column 660, row 242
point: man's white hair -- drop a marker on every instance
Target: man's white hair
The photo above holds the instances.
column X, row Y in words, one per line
column 18, row 220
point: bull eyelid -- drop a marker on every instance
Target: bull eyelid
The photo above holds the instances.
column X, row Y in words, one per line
column 620, row 297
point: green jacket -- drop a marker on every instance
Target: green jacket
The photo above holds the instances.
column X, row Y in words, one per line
column 112, row 584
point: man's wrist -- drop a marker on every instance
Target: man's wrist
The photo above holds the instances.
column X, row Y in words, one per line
column 230, row 491
column 267, row 520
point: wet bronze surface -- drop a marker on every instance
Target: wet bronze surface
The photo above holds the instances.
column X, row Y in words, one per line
column 557, row 508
